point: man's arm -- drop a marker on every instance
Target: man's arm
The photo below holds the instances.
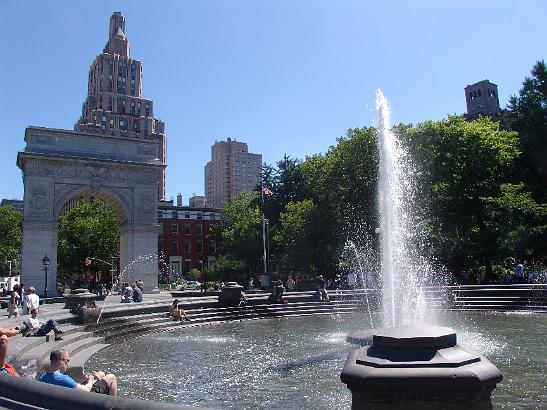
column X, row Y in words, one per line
column 86, row 387
column 8, row 332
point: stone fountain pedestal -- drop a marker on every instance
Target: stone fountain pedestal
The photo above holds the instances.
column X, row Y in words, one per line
column 418, row 367
column 82, row 302
column 231, row 295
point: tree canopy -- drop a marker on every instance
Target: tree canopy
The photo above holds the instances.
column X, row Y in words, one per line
column 10, row 237
column 90, row 229
column 480, row 194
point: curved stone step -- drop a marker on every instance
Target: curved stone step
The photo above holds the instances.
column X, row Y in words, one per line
column 28, row 362
column 77, row 361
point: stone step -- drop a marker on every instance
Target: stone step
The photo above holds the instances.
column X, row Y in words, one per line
column 493, row 306
column 161, row 324
column 77, row 361
column 28, row 362
column 19, row 345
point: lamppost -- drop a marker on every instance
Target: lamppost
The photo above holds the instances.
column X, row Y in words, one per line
column 45, row 264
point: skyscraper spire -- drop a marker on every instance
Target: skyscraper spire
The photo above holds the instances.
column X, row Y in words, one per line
column 117, row 21
column 114, row 105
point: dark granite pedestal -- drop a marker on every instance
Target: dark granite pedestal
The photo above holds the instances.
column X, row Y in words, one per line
column 231, row 295
column 418, row 367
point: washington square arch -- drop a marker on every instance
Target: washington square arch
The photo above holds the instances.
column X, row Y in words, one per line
column 116, row 154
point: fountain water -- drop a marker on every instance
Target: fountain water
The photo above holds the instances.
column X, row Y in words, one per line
column 126, row 275
column 404, row 271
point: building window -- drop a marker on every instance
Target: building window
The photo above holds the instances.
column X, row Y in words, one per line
column 187, row 215
column 188, row 265
column 174, row 229
column 200, row 246
column 200, row 215
column 175, row 247
column 187, row 246
column 213, row 246
column 199, row 229
column 187, row 229
column 174, row 215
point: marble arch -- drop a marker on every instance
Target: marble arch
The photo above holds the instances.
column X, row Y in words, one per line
column 60, row 167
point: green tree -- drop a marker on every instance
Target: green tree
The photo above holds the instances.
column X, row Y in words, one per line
column 194, row 274
column 528, row 115
column 88, row 229
column 240, row 236
column 11, row 227
column 459, row 164
column 297, row 237
column 518, row 224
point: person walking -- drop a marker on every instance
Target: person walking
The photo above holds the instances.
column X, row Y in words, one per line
column 13, row 304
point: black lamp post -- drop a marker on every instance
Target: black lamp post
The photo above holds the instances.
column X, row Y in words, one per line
column 45, row 264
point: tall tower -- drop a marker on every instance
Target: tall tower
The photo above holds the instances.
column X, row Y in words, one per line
column 114, row 105
column 232, row 170
column 482, row 99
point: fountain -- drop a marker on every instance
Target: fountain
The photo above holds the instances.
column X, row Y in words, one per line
column 295, row 363
column 409, row 365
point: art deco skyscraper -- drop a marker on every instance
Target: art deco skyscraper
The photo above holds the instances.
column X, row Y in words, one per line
column 232, row 170
column 114, row 105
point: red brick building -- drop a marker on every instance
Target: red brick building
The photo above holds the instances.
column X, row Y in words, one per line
column 184, row 237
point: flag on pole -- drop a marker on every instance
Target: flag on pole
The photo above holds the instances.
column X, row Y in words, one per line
column 265, row 190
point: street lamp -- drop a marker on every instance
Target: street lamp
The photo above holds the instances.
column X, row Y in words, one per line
column 45, row 264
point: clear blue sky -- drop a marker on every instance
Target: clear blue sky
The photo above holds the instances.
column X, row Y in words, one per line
column 284, row 76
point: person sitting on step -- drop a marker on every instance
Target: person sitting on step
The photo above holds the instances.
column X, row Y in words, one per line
column 127, row 293
column 137, row 293
column 277, row 292
column 177, row 313
column 35, row 328
column 97, row 382
column 4, row 334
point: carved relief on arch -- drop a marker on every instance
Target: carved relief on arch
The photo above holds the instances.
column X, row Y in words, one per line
column 78, row 170
column 38, row 203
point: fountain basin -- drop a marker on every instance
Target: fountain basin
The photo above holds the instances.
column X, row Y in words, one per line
column 295, row 363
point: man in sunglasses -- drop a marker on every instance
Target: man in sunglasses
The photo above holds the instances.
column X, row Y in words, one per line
column 97, row 382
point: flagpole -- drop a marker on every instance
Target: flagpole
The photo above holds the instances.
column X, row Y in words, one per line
column 264, row 232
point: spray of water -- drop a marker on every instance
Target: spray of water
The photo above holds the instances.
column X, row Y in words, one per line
column 128, row 275
column 404, row 271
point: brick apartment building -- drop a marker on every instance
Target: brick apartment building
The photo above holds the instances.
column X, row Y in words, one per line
column 184, row 237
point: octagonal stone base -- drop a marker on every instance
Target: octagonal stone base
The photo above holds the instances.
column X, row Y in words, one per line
column 419, row 367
